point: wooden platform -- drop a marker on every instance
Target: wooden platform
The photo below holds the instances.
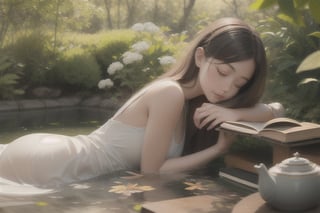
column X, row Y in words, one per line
column 246, row 161
column 311, row 152
column 255, row 204
column 202, row 203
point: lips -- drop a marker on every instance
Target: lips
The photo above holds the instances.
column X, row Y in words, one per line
column 216, row 97
column 220, row 97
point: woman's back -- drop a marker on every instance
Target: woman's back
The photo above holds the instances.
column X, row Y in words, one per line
column 50, row 160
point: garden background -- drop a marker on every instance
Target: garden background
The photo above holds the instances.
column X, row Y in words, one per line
column 61, row 48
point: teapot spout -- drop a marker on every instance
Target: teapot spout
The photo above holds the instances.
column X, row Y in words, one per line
column 266, row 182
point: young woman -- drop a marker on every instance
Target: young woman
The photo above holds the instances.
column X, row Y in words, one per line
column 226, row 64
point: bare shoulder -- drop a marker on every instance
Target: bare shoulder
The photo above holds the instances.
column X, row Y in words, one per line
column 165, row 92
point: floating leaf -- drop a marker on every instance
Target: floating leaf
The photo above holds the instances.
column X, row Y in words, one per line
column 41, row 203
column 93, row 122
column 80, row 186
column 315, row 34
column 54, row 123
column 130, row 189
column 133, row 175
column 137, row 207
column 311, row 62
column 262, row 4
column 308, row 80
column 195, row 186
column 315, row 9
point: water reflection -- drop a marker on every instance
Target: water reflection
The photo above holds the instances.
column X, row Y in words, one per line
column 69, row 121
column 120, row 192
column 97, row 196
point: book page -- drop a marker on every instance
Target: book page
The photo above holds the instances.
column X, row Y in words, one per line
column 281, row 123
column 305, row 131
column 254, row 126
column 276, row 123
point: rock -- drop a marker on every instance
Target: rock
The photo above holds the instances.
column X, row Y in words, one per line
column 45, row 92
column 90, row 102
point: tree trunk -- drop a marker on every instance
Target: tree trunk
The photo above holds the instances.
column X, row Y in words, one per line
column 5, row 14
column 108, row 6
column 234, row 7
column 56, row 24
column 118, row 14
column 131, row 7
column 155, row 11
column 186, row 13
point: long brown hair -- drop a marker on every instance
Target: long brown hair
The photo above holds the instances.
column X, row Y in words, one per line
column 229, row 40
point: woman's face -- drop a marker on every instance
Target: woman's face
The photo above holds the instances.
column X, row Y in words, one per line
column 220, row 81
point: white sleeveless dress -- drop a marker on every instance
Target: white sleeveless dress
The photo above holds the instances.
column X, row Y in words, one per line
column 51, row 160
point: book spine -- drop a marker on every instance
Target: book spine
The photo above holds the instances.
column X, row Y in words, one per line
column 241, row 177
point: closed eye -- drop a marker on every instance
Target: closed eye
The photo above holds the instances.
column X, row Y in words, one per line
column 222, row 73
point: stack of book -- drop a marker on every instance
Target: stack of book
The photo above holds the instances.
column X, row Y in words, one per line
column 288, row 134
column 239, row 176
column 281, row 130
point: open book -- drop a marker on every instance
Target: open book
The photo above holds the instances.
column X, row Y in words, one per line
column 278, row 129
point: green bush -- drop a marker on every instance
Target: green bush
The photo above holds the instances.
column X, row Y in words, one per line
column 111, row 46
column 96, row 50
column 34, row 53
column 9, row 76
column 292, row 40
column 76, row 72
column 150, row 53
column 287, row 45
column 108, row 52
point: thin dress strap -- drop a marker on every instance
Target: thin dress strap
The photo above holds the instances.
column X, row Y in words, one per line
column 136, row 96
column 130, row 101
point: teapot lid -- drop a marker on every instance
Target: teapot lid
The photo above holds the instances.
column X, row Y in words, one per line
column 297, row 164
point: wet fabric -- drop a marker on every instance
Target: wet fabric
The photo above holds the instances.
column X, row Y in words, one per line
column 50, row 160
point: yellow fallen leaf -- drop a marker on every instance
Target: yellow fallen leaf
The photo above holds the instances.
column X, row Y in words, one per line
column 129, row 189
column 133, row 175
column 41, row 203
column 137, row 207
column 195, row 186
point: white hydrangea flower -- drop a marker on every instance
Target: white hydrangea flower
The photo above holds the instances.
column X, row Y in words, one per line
column 131, row 57
column 147, row 27
column 146, row 69
column 140, row 46
column 166, row 60
column 150, row 27
column 105, row 83
column 114, row 67
column 138, row 27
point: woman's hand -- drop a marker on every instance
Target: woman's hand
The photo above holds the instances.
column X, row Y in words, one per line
column 210, row 115
column 224, row 141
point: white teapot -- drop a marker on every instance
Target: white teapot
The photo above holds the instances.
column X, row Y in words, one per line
column 292, row 185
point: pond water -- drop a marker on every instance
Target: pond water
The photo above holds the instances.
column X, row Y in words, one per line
column 122, row 192
column 69, row 121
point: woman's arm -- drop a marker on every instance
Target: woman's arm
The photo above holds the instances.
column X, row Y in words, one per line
column 165, row 105
column 260, row 112
column 212, row 115
column 199, row 159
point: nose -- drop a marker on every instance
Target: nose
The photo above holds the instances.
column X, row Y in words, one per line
column 226, row 86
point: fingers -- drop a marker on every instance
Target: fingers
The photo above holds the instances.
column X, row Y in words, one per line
column 209, row 122
column 206, row 116
column 200, row 114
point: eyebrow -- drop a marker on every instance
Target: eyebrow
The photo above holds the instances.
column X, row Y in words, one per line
column 234, row 69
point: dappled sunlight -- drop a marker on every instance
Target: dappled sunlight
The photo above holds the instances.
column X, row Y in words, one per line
column 130, row 188
column 124, row 191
